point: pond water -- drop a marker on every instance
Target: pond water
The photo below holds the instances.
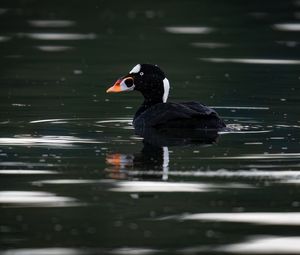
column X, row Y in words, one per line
column 76, row 179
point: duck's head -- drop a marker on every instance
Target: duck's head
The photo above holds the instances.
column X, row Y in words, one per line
column 150, row 80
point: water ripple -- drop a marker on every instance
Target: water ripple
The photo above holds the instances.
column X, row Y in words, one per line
column 51, row 23
column 147, row 186
column 291, row 156
column 265, row 245
column 210, row 45
column 222, row 173
column 4, row 38
column 59, row 36
column 35, row 198
column 253, row 61
column 81, row 251
column 44, row 251
column 293, row 27
column 188, row 30
column 30, row 172
column 264, row 218
column 55, row 141
column 54, row 48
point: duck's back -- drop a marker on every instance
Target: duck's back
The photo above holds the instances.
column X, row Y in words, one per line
column 179, row 115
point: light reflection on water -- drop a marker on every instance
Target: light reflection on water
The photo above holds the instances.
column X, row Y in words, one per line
column 82, row 251
column 189, row 30
column 287, row 176
column 147, row 186
column 35, row 198
column 253, row 61
column 4, row 38
column 210, row 45
column 53, row 48
column 51, row 23
column 56, row 141
column 30, row 172
column 283, row 156
column 58, row 36
column 265, row 245
column 294, row 27
column 264, row 218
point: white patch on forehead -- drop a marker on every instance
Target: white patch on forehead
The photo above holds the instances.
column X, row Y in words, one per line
column 136, row 69
column 166, row 90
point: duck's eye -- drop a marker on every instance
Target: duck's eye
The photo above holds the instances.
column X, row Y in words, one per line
column 141, row 73
column 129, row 82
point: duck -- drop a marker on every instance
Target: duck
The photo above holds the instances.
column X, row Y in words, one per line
column 155, row 112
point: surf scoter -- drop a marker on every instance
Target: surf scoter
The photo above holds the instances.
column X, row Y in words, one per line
column 155, row 111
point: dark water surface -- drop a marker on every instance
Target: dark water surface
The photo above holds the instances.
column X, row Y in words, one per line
column 76, row 179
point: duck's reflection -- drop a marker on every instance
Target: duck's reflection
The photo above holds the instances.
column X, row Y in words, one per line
column 152, row 162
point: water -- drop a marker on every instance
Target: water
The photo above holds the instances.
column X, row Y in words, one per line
column 76, row 179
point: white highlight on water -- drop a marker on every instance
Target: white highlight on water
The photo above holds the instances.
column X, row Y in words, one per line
column 253, row 61
column 188, row 30
column 54, row 48
column 51, row 23
column 30, row 172
column 265, row 245
column 33, row 197
column 294, row 27
column 241, row 107
column 149, row 186
column 289, row 175
column 46, row 141
column 4, row 38
column 45, row 251
column 210, row 45
column 265, row 218
column 58, row 36
column 166, row 161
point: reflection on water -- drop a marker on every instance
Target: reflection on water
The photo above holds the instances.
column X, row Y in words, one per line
column 146, row 186
column 288, row 27
column 52, row 48
column 265, row 245
column 125, row 170
column 143, row 186
column 265, row 218
column 51, row 23
column 58, row 36
column 44, row 251
column 253, row 61
column 189, row 30
column 81, row 251
column 34, row 198
column 30, row 172
column 4, row 38
column 155, row 153
column 210, row 45
column 46, row 141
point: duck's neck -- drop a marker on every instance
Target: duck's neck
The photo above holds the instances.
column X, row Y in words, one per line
column 146, row 105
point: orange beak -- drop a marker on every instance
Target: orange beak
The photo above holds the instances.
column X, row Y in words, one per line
column 115, row 88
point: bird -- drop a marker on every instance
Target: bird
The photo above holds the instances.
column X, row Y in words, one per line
column 155, row 112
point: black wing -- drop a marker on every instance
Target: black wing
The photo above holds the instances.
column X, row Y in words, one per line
column 180, row 115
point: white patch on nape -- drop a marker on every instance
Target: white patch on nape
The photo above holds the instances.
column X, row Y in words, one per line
column 166, row 90
column 136, row 69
